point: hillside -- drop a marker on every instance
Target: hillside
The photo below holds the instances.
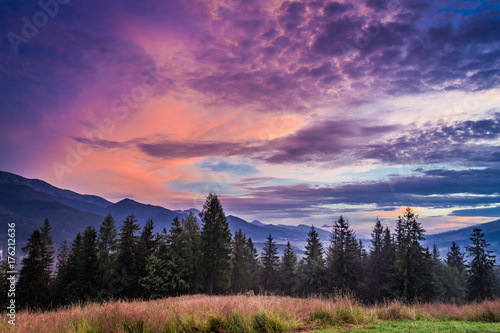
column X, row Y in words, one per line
column 461, row 237
column 29, row 201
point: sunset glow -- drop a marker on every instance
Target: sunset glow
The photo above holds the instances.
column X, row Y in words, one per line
column 292, row 112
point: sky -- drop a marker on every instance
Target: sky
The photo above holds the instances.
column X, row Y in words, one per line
column 293, row 112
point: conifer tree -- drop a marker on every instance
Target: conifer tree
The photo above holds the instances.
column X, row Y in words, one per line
column 35, row 275
column 312, row 267
column 108, row 245
column 216, row 245
column 256, row 266
column 88, row 279
column 455, row 257
column 176, row 257
column 388, row 260
column 342, row 257
column 70, row 278
column 375, row 280
column 193, row 252
column 127, row 258
column 241, row 263
column 481, row 279
column 48, row 248
column 453, row 276
column 288, row 271
column 413, row 278
column 146, row 247
column 270, row 261
column 62, row 271
column 164, row 268
column 440, row 275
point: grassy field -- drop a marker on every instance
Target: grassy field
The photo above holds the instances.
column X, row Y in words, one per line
column 201, row 313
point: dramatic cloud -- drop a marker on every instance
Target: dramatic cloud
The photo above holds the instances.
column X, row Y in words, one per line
column 317, row 101
column 345, row 143
column 432, row 188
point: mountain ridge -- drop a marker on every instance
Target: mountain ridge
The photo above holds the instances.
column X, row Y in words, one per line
column 29, row 201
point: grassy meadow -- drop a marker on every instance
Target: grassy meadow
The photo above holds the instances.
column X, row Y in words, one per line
column 201, row 313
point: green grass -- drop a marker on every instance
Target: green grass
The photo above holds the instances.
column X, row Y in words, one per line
column 424, row 326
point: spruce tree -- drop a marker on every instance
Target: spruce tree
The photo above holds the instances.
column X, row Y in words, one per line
column 288, row 271
column 313, row 265
column 70, row 280
column 256, row 266
column 453, row 276
column 193, row 252
column 48, row 248
column 241, row 263
column 439, row 271
column 34, row 285
column 127, row 259
column 165, row 270
column 342, row 257
column 413, row 278
column 375, row 279
column 62, row 271
column 88, row 280
column 455, row 257
column 270, row 261
column 108, row 245
column 146, row 246
column 176, row 257
column 216, row 245
column 481, row 279
column 388, row 260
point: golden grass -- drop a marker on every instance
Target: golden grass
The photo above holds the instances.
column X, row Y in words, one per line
column 201, row 313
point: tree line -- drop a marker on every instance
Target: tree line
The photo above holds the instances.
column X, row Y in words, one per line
column 132, row 263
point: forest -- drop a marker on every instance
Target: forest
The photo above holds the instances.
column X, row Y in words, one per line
column 131, row 263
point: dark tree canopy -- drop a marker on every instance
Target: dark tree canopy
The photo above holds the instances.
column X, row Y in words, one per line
column 139, row 263
column 216, row 242
column 481, row 279
column 270, row 261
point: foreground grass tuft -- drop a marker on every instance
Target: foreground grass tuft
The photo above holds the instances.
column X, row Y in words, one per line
column 250, row 314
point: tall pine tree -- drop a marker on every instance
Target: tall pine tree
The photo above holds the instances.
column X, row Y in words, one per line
column 342, row 257
column 35, row 279
column 270, row 261
column 191, row 236
column 241, row 263
column 216, row 245
column 413, row 278
column 88, row 260
column 313, row 265
column 481, row 279
column 455, row 257
column 376, row 276
column 127, row 284
column 288, row 271
column 108, row 245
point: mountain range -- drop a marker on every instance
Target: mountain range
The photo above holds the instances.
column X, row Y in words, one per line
column 27, row 202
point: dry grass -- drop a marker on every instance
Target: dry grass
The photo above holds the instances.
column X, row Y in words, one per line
column 202, row 313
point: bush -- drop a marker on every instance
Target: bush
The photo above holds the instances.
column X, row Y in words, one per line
column 264, row 323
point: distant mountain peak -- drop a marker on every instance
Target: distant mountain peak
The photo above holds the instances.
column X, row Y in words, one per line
column 127, row 201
